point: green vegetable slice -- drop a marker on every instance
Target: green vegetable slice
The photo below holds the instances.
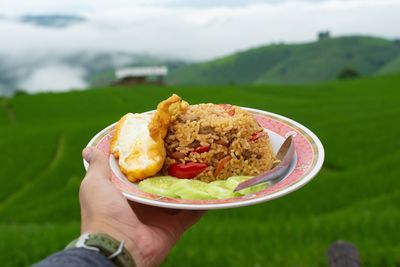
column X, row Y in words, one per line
column 218, row 189
column 190, row 189
column 168, row 186
column 160, row 185
column 234, row 181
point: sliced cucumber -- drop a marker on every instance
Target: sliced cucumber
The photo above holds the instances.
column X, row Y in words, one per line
column 234, row 181
column 168, row 186
column 253, row 189
column 160, row 185
column 218, row 189
column 190, row 189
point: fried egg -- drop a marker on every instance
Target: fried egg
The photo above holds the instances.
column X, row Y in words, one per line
column 138, row 154
column 138, row 140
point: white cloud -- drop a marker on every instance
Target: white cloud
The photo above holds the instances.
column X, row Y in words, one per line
column 54, row 78
column 196, row 33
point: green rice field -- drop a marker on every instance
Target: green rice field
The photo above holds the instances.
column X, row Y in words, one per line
column 356, row 196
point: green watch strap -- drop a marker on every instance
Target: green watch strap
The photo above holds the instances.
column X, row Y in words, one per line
column 109, row 247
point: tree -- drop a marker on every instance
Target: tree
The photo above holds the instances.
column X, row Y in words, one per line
column 347, row 73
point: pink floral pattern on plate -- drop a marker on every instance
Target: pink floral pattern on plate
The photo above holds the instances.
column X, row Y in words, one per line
column 308, row 149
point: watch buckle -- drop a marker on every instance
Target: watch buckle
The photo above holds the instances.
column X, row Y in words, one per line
column 81, row 243
column 118, row 251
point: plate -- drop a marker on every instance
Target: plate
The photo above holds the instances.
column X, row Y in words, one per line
column 309, row 156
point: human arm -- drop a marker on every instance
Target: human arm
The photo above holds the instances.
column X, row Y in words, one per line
column 149, row 232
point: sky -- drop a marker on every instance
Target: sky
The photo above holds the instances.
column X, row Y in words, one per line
column 180, row 29
column 195, row 30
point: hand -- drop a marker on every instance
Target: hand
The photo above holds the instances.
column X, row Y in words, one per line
column 149, row 232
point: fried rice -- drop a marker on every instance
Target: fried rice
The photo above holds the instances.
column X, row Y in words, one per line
column 226, row 138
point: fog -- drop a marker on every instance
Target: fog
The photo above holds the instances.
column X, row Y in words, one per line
column 54, row 78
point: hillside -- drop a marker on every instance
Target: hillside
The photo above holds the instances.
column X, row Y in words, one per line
column 392, row 67
column 292, row 63
column 354, row 198
column 52, row 20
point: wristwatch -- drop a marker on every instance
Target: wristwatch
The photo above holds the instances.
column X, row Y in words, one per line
column 106, row 245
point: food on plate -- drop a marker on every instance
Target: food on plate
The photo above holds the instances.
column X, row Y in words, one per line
column 203, row 151
column 138, row 140
column 166, row 113
column 168, row 186
column 160, row 185
column 210, row 142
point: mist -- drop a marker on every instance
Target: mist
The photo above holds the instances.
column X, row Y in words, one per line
column 54, row 78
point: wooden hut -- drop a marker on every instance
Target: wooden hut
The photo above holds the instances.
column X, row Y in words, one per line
column 140, row 75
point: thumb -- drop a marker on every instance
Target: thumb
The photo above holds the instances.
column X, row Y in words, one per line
column 98, row 163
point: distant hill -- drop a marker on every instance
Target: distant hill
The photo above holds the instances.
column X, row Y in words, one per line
column 52, row 20
column 294, row 63
column 392, row 67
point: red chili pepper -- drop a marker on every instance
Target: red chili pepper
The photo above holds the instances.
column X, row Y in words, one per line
column 202, row 149
column 186, row 170
column 228, row 108
column 256, row 136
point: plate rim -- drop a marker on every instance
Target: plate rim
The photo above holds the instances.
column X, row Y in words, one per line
column 195, row 206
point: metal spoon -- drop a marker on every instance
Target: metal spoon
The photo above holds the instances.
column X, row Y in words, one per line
column 285, row 155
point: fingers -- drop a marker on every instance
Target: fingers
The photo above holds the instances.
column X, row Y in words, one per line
column 172, row 211
column 98, row 163
column 190, row 217
column 150, row 214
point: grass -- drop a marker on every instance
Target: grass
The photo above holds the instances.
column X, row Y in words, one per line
column 354, row 198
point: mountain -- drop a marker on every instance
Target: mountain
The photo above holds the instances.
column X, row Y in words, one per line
column 293, row 63
column 393, row 67
column 52, row 20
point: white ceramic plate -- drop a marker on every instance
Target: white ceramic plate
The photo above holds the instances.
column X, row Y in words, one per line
column 305, row 166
